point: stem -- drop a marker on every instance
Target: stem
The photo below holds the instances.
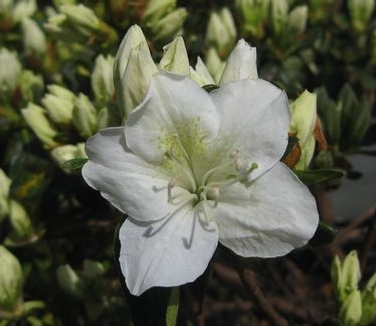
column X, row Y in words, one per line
column 249, row 280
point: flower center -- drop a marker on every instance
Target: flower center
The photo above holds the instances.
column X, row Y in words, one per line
column 208, row 186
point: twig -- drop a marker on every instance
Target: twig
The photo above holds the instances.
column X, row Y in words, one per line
column 368, row 243
column 249, row 280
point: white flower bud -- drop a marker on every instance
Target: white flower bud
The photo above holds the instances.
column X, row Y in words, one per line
column 221, row 31
column 156, row 9
column 59, row 104
column 4, row 195
column 102, row 80
column 69, row 281
column 31, row 86
column 85, row 116
column 36, row 118
column 360, row 13
column 215, row 64
column 133, row 69
column 24, row 8
column 297, row 19
column 81, row 18
column 279, row 13
column 20, row 221
column 169, row 26
column 68, row 152
column 9, row 72
column 303, row 120
column 351, row 309
column 11, row 279
column 33, row 38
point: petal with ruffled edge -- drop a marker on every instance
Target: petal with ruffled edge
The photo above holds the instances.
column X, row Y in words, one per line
column 174, row 106
column 240, row 64
column 133, row 186
column 271, row 217
column 170, row 252
column 255, row 118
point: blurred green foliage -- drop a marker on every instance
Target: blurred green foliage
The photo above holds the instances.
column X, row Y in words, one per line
column 56, row 90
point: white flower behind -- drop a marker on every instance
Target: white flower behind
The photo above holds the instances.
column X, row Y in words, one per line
column 192, row 168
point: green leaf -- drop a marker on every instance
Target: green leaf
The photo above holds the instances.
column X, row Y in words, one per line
column 210, row 87
column 292, row 142
column 324, row 235
column 73, row 164
column 318, row 176
column 173, row 307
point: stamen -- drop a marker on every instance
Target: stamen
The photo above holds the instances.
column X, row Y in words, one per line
column 215, row 193
column 171, row 184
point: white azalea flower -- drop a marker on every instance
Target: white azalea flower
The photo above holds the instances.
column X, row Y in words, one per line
column 192, row 169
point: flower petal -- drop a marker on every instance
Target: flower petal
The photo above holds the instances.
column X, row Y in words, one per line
column 171, row 252
column 175, row 107
column 274, row 215
column 133, row 186
column 240, row 64
column 255, row 120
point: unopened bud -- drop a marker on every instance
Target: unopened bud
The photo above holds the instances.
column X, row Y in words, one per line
column 31, row 86
column 59, row 104
column 81, row 18
column 9, row 72
column 4, row 195
column 221, row 31
column 303, row 119
column 297, row 19
column 279, row 14
column 85, row 116
column 36, row 118
column 102, row 80
column 241, row 64
column 351, row 309
column 360, row 13
column 215, row 64
column 175, row 57
column 369, row 302
column 170, row 26
column 346, row 275
column 69, row 281
column 11, row 280
column 33, row 38
column 23, row 9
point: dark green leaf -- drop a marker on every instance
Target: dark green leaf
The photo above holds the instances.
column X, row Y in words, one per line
column 76, row 163
column 324, row 235
column 211, row 87
column 290, row 146
column 318, row 176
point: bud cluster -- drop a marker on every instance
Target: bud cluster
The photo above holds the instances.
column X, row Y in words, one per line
column 357, row 307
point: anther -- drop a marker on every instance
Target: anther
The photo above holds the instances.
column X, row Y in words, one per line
column 234, row 153
column 239, row 166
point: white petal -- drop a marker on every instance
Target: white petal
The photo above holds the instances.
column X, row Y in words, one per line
column 255, row 120
column 171, row 252
column 174, row 105
column 133, row 186
column 276, row 214
column 240, row 64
